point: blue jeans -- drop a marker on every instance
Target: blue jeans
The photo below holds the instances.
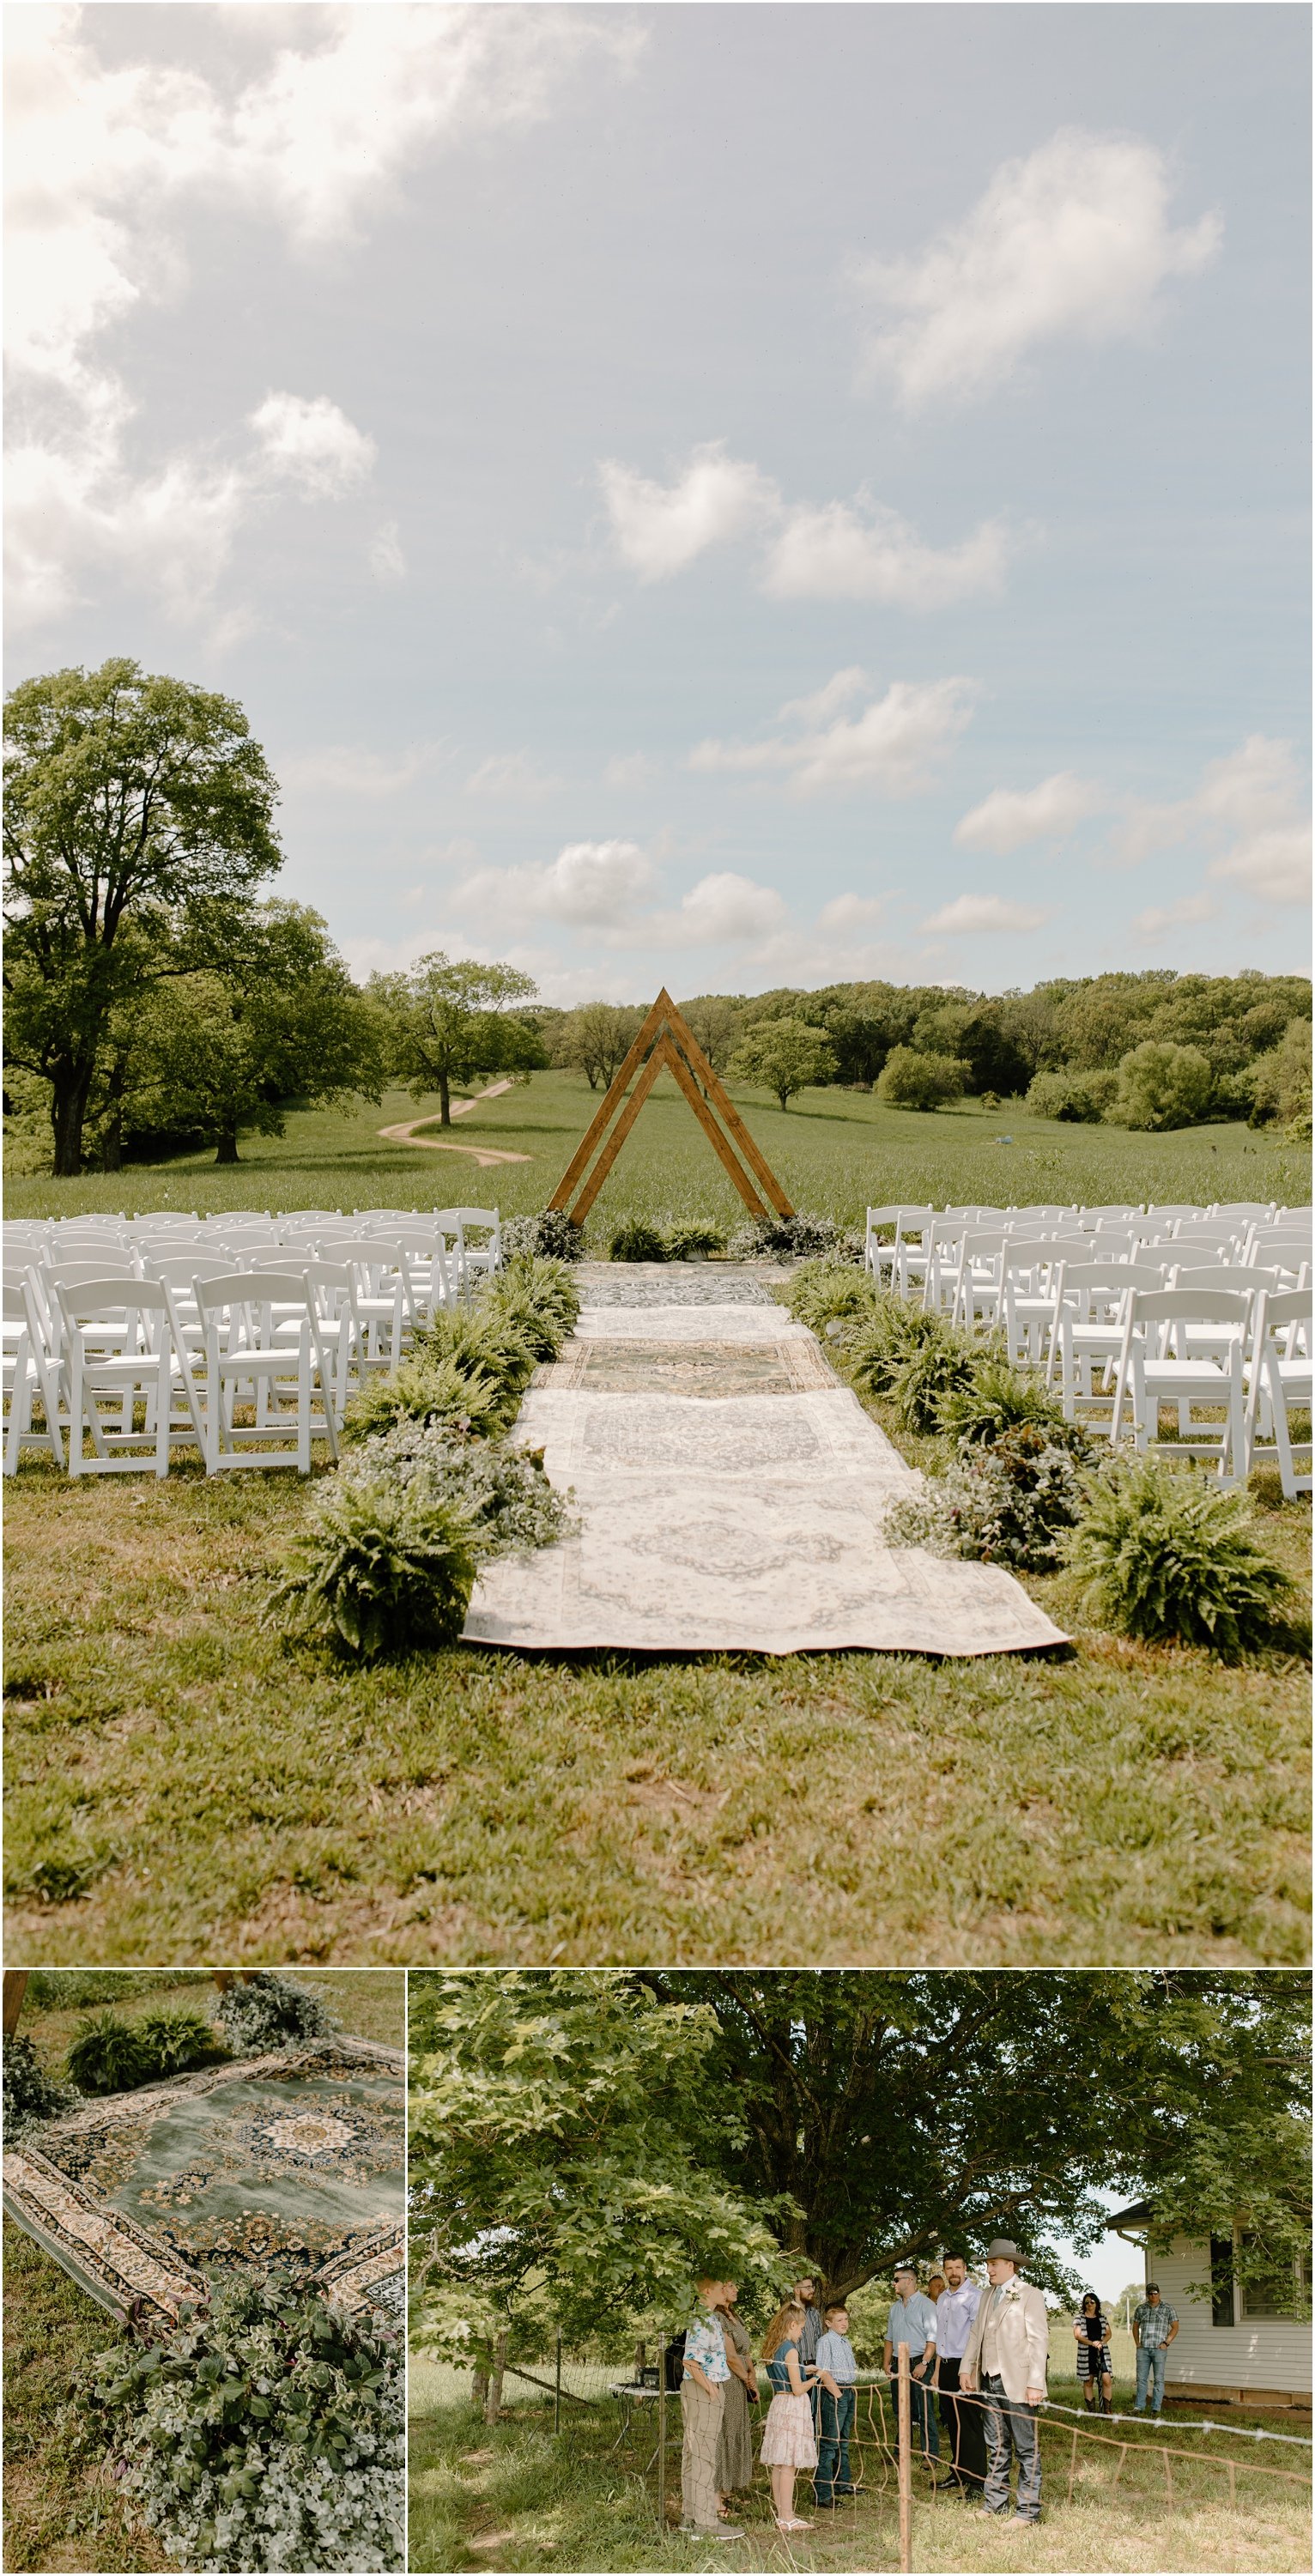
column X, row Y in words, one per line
column 924, row 2431
column 1150, row 2366
column 835, row 2423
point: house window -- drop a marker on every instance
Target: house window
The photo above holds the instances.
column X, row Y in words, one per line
column 1278, row 2292
column 1221, row 2280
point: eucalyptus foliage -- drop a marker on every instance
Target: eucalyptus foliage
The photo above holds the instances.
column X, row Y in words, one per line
column 1010, row 1503
column 268, row 2434
column 270, row 2011
column 500, row 1490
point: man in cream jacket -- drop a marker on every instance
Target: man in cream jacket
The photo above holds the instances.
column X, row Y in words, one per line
column 1006, row 2363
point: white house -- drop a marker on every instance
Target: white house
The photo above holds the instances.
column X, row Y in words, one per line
column 1234, row 2344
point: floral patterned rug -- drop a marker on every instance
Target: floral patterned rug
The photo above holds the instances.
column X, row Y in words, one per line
column 290, row 2162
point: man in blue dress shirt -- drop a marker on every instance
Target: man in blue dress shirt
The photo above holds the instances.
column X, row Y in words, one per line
column 835, row 2407
column 956, row 2310
column 912, row 2321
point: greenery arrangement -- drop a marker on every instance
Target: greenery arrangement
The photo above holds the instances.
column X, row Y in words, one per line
column 110, row 2055
column 270, row 2011
column 389, row 1555
column 30, row 2094
column 1011, row 1501
column 268, row 2434
column 635, row 1241
column 549, row 1236
column 381, row 1567
column 500, row 1490
column 795, row 1238
column 692, row 1241
column 1164, row 1552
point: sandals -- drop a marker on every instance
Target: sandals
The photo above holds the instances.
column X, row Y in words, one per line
column 796, row 2525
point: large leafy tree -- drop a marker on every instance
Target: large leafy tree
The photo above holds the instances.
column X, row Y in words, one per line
column 583, row 2145
column 451, row 1020
column 785, row 1056
column 138, row 816
column 598, row 1038
column 225, row 1050
column 569, row 2157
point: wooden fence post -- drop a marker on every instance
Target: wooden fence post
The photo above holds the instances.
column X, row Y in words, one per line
column 15, row 1989
column 493, row 2400
column 662, row 2435
column 905, row 2463
column 557, row 2391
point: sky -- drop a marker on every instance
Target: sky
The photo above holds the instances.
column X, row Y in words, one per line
column 719, row 496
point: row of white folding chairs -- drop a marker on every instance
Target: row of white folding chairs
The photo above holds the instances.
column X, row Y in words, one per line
column 445, row 1231
column 271, row 1342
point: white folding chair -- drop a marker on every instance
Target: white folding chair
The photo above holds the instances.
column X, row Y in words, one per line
column 383, row 1297
column 1029, row 1272
column 248, row 1355
column 117, row 1346
column 24, row 1381
column 1279, row 1380
column 1089, row 1310
column 1153, row 1372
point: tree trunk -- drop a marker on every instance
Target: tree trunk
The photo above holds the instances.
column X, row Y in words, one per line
column 481, row 2387
column 444, row 1102
column 493, row 2400
column 112, row 1149
column 226, row 1146
column 68, row 1110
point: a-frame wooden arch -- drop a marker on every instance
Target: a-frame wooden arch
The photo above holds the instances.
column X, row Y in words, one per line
column 667, row 1039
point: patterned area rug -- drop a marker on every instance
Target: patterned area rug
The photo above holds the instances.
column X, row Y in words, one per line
column 730, row 1494
column 291, row 2162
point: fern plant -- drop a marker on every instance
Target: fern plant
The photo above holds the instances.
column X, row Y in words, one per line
column 108, row 2054
column 427, row 1389
column 1164, row 1553
column 828, row 1292
column 636, row 1242
column 1000, row 1399
column 694, row 1242
column 382, row 1568
column 173, row 2041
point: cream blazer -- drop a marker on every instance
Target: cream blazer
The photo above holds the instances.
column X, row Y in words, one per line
column 1022, row 2339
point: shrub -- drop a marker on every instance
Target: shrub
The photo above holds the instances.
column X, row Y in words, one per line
column 796, row 1238
column 1000, row 1399
column 694, row 1242
column 30, row 2094
column 500, row 1489
column 549, row 1287
column 381, row 1568
column 913, row 1358
column 550, row 1236
column 1161, row 1086
column 268, row 2434
column 426, row 1390
column 911, row 1080
column 1165, row 1553
column 108, row 2054
column 1077, row 1098
column 1010, row 1504
column 785, row 1056
column 1279, row 1082
column 174, row 2041
column 636, row 1242
column 825, row 1292
column 272, row 2012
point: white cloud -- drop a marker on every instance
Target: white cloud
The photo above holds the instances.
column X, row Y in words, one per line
column 1161, row 919
column 589, row 885
column 99, row 160
column 833, row 553
column 386, row 559
column 975, row 912
column 1008, row 819
column 312, row 445
column 895, row 744
column 630, row 769
column 512, row 773
column 659, row 529
column 836, row 551
column 1072, row 242
column 727, row 909
column 1254, row 802
column 341, row 769
column 850, row 912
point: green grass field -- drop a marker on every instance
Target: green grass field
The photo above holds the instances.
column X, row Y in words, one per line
column 836, row 1152
column 516, row 2497
column 185, row 1783
column 62, row 2509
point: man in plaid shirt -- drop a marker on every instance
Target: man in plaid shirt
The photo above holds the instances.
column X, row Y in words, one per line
column 1153, row 2329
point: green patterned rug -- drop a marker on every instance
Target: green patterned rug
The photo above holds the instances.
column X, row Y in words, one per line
column 290, row 2162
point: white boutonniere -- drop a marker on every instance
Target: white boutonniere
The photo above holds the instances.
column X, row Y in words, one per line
column 1012, row 2295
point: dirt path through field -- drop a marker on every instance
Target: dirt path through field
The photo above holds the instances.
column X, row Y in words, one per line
column 481, row 1154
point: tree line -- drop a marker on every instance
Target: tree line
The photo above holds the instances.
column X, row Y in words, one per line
column 158, row 996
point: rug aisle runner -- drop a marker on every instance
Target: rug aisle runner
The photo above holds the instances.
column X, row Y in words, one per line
column 729, row 1491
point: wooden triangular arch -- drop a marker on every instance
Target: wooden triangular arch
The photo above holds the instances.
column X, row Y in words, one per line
column 667, row 1039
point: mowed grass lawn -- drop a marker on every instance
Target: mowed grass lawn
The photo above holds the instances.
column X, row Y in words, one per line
column 62, row 2509
column 186, row 1785
column 516, row 2497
